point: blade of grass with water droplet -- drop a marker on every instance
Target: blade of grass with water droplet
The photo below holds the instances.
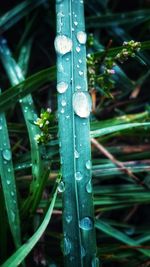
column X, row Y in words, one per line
column 78, row 221
column 8, row 182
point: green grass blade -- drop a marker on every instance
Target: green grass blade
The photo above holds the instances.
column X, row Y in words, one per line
column 8, row 182
column 118, row 128
column 111, row 231
column 25, row 249
column 17, row 13
column 78, row 221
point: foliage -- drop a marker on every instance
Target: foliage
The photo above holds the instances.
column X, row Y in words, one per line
column 39, row 188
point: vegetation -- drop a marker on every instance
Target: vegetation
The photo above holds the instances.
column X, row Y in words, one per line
column 74, row 133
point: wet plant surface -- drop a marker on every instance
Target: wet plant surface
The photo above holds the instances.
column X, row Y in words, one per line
column 74, row 133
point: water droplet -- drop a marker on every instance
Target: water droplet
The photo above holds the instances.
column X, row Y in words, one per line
column 63, row 103
column 78, row 87
column 83, row 252
column 82, row 104
column 78, row 176
column 6, row 154
column 62, row 110
column 67, row 246
column 88, row 164
column 89, row 187
column 95, row 262
column 76, row 154
column 68, row 218
column 61, row 187
column 12, row 193
column 67, row 117
column 0, row 127
column 75, row 23
column 81, row 37
column 8, row 182
column 78, row 66
column 86, row 224
column 80, row 72
column 13, row 215
column 80, row 61
column 78, row 49
column 9, row 170
column 20, row 100
column 62, row 87
column 63, row 44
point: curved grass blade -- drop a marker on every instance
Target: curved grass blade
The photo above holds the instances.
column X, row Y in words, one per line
column 118, row 128
column 25, row 249
column 8, row 182
column 17, row 13
column 78, row 221
column 15, row 75
column 109, row 20
column 111, row 231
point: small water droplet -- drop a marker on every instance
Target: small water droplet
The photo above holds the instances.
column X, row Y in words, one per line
column 95, row 262
column 9, row 170
column 78, row 49
column 82, row 104
column 88, row 165
column 6, row 154
column 63, row 103
column 76, row 154
column 80, row 61
column 8, row 182
column 83, row 252
column 75, row 23
column 0, row 127
column 13, row 215
column 62, row 111
column 12, row 193
column 80, row 72
column 61, row 187
column 78, row 176
column 78, row 87
column 86, row 224
column 89, row 187
column 67, row 117
column 62, row 87
column 81, row 37
column 67, row 246
column 68, row 218
column 63, row 44
column 20, row 100
column 78, row 66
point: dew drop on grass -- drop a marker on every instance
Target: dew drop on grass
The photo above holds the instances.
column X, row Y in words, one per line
column 8, row 182
column 12, row 193
column 1, row 127
column 6, row 154
column 95, row 262
column 63, row 103
column 61, row 187
column 88, row 165
column 67, row 246
column 83, row 252
column 78, row 49
column 89, row 187
column 82, row 104
column 78, row 176
column 12, row 215
column 76, row 154
column 62, row 111
column 86, row 224
column 63, row 44
column 68, row 218
column 80, row 72
column 62, row 87
column 81, row 37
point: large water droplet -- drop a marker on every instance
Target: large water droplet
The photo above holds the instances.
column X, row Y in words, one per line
column 88, row 164
column 67, row 246
column 61, row 187
column 89, row 187
column 6, row 154
column 62, row 87
column 78, row 176
column 63, row 44
column 86, row 224
column 76, row 154
column 82, row 104
column 81, row 37
column 95, row 262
